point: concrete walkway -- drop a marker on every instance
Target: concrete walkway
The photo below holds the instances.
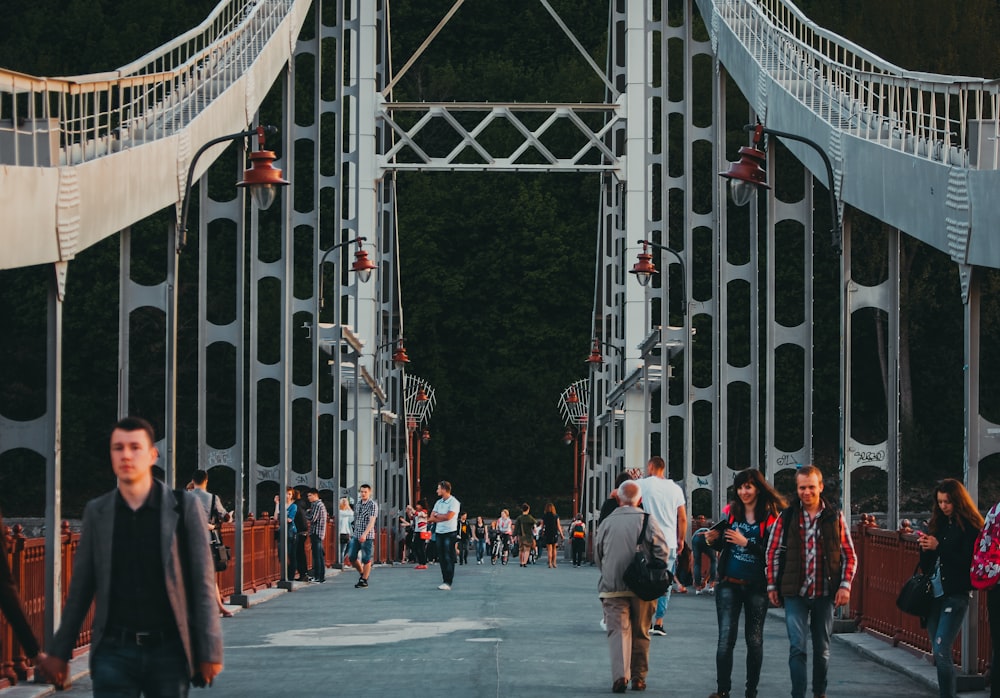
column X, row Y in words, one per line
column 502, row 631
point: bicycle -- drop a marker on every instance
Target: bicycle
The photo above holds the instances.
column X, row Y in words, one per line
column 499, row 550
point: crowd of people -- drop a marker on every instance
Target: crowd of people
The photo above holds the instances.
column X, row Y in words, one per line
column 150, row 578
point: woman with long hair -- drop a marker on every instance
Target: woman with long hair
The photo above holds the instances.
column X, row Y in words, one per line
column 551, row 532
column 10, row 606
column 345, row 517
column 742, row 582
column 946, row 555
column 481, row 537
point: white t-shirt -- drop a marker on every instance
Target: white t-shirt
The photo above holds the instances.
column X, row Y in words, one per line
column 661, row 498
column 443, row 506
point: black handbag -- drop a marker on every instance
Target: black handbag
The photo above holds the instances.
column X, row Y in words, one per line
column 220, row 552
column 916, row 595
column 646, row 576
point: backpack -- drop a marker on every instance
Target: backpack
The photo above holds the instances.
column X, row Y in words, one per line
column 579, row 530
column 985, row 571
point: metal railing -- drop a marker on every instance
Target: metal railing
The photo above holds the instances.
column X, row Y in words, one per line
column 47, row 122
column 886, row 559
column 950, row 119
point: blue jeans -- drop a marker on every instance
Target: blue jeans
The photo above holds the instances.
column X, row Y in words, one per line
column 805, row 617
column 730, row 599
column 446, row 555
column 360, row 550
column 664, row 601
column 698, row 547
column 120, row 668
column 480, row 549
column 319, row 557
column 943, row 624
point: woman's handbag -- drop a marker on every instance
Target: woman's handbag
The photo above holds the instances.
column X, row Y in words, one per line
column 916, row 595
column 220, row 553
column 648, row 577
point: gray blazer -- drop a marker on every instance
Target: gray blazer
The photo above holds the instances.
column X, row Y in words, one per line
column 615, row 547
column 196, row 613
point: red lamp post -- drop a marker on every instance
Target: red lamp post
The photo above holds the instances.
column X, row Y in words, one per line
column 419, row 403
column 575, row 416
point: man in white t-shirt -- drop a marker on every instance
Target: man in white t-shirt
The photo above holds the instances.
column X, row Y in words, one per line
column 664, row 500
column 445, row 517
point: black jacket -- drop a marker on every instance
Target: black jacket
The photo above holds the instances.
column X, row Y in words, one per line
column 955, row 551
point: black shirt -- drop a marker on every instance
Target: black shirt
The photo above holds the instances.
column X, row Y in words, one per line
column 138, row 590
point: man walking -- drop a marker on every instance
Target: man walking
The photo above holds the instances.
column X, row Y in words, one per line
column 444, row 516
column 627, row 616
column 810, row 566
column 144, row 562
column 317, row 533
column 360, row 547
column 664, row 500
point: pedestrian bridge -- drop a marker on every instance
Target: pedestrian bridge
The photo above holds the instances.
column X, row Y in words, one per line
column 85, row 158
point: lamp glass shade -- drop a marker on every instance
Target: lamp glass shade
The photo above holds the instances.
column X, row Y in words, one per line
column 741, row 191
column 263, row 195
column 746, row 176
column 568, row 437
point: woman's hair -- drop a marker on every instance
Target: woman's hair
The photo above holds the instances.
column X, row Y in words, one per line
column 504, row 512
column 479, row 519
column 345, row 503
column 550, row 508
column 769, row 502
column 965, row 509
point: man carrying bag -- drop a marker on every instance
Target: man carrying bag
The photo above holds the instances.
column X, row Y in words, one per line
column 628, row 617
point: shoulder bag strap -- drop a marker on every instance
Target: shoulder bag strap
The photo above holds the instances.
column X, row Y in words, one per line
column 642, row 531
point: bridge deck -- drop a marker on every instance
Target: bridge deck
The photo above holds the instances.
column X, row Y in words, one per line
column 502, row 631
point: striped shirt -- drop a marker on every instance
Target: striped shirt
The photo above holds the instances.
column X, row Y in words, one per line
column 365, row 512
column 317, row 519
column 814, row 585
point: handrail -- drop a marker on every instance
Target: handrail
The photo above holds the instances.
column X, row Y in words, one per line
column 46, row 122
column 925, row 115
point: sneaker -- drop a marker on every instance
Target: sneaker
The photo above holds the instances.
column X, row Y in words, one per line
column 697, row 592
column 604, row 625
column 444, row 587
column 658, row 630
column 362, row 584
column 420, row 567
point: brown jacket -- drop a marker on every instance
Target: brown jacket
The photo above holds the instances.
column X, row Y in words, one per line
column 614, row 548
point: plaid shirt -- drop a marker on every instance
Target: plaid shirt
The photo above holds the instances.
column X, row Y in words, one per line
column 365, row 512
column 813, row 585
column 317, row 519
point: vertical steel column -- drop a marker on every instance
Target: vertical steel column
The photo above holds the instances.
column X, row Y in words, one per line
column 636, row 214
column 53, row 459
column 973, row 423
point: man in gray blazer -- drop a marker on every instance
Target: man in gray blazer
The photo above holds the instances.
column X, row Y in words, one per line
column 153, row 633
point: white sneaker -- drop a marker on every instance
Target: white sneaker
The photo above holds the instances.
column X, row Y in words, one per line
column 604, row 626
column 444, row 587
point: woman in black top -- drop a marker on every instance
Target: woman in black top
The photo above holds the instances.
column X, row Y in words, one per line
column 10, row 605
column 480, row 536
column 946, row 554
column 552, row 531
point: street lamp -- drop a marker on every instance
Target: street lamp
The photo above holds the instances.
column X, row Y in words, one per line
column 748, row 175
column 261, row 179
column 596, row 358
column 362, row 266
column 644, row 268
column 399, row 356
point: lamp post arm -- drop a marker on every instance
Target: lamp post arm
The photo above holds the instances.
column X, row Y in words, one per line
column 680, row 260
column 835, row 232
column 186, row 206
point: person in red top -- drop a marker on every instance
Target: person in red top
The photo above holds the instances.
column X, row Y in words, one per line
column 810, row 566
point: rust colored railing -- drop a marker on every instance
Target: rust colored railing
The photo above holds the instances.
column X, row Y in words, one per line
column 886, row 559
column 27, row 561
